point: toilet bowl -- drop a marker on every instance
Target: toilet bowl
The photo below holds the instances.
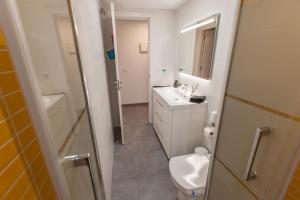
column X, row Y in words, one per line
column 189, row 174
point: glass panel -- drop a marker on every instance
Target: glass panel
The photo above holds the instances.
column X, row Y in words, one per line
column 50, row 37
column 196, row 44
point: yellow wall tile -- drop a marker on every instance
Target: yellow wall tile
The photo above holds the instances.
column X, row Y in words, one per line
column 7, row 153
column 13, row 120
column 21, row 120
column 5, row 61
column 27, row 135
column 10, row 175
column 45, row 188
column 294, row 188
column 32, row 151
column 14, row 102
column 9, row 83
column 19, row 188
column 37, row 163
column 6, row 131
column 2, row 40
column 41, row 177
column 30, row 194
column 3, row 111
column 51, row 195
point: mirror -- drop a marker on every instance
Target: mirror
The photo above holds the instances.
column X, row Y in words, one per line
column 196, row 44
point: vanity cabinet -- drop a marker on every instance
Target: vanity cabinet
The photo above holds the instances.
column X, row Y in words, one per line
column 178, row 123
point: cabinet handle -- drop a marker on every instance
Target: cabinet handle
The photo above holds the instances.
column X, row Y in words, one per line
column 159, row 103
column 260, row 132
column 160, row 119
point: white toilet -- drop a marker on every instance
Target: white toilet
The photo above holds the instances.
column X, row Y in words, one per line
column 189, row 174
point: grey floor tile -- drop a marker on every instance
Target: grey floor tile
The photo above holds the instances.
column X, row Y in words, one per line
column 140, row 169
column 124, row 167
column 145, row 144
column 125, row 190
column 150, row 163
column 140, row 131
column 158, row 187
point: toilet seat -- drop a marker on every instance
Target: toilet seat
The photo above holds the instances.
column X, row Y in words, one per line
column 189, row 173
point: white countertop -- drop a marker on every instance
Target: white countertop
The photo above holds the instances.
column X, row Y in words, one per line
column 173, row 98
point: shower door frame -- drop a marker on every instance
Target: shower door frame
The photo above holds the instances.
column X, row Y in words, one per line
column 21, row 56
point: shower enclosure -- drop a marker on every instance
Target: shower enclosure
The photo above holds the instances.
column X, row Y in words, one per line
column 48, row 33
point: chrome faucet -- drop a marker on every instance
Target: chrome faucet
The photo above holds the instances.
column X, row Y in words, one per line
column 194, row 88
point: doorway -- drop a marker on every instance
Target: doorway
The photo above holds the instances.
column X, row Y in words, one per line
column 140, row 168
column 133, row 60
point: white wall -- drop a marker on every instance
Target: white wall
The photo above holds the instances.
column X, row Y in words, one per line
column 38, row 20
column 88, row 24
column 162, row 45
column 133, row 65
column 49, row 63
column 71, row 64
column 195, row 10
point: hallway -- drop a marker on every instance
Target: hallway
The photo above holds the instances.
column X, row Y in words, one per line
column 140, row 169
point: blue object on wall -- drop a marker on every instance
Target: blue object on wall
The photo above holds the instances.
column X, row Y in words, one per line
column 111, row 54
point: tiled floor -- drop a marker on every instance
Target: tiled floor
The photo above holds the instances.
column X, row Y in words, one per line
column 140, row 168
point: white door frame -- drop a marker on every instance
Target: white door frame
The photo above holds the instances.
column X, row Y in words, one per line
column 23, row 63
column 147, row 19
column 115, row 41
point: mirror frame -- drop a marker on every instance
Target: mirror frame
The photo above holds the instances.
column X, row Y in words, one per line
column 217, row 20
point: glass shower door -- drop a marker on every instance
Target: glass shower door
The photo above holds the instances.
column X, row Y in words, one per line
column 52, row 43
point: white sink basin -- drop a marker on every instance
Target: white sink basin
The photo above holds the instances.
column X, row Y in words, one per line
column 173, row 98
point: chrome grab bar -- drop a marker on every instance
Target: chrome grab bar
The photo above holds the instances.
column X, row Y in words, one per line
column 260, row 132
column 80, row 160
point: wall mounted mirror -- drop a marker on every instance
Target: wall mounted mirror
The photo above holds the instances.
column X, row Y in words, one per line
column 196, row 44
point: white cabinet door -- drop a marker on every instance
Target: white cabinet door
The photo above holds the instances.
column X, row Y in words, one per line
column 226, row 187
column 275, row 152
column 263, row 91
column 162, row 122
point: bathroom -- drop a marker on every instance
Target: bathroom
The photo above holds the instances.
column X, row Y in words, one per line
column 137, row 99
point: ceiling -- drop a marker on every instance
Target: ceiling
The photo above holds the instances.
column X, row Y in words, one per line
column 138, row 5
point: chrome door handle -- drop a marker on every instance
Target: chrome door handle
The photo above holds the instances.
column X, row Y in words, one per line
column 80, row 160
column 260, row 132
column 117, row 84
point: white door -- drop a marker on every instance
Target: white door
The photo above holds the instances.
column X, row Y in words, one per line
column 133, row 60
column 118, row 82
column 108, row 23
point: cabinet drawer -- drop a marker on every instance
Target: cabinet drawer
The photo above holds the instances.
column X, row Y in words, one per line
column 163, row 130
column 160, row 107
column 157, row 129
column 158, row 124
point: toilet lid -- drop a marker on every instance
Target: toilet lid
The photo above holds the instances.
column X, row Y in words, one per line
column 190, row 171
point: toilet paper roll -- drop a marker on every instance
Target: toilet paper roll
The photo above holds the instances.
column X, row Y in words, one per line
column 209, row 131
